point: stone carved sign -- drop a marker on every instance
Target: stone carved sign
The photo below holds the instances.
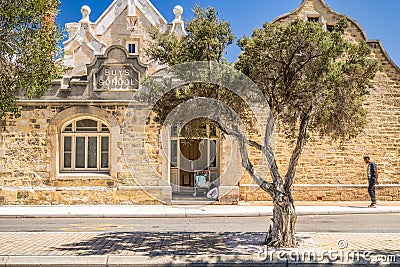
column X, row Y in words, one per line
column 116, row 77
column 115, row 71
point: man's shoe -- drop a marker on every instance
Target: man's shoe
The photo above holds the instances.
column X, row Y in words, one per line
column 372, row 205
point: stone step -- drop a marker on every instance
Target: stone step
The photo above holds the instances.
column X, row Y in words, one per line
column 188, row 202
column 187, row 198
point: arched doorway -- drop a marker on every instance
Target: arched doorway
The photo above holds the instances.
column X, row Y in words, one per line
column 191, row 156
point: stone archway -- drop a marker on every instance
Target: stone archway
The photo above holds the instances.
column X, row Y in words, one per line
column 80, row 111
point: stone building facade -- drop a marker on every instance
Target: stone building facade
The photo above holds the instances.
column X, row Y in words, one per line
column 68, row 146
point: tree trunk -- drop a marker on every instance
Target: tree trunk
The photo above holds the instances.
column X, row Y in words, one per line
column 282, row 231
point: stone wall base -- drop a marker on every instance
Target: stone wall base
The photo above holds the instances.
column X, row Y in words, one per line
column 153, row 195
column 128, row 195
column 228, row 195
column 306, row 192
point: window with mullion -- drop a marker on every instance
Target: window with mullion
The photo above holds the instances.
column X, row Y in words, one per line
column 85, row 146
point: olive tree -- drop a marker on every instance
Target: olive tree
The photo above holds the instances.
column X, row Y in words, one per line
column 315, row 82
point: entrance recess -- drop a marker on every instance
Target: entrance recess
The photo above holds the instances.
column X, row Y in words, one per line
column 189, row 157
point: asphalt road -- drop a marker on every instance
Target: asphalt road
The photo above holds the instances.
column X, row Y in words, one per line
column 361, row 223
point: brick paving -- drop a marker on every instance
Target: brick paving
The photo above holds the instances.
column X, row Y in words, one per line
column 136, row 243
column 180, row 243
column 326, row 203
column 375, row 242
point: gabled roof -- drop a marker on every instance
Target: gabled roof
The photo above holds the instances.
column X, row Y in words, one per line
column 364, row 35
column 322, row 2
column 118, row 6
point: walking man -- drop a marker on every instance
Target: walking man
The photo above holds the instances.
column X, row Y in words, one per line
column 372, row 171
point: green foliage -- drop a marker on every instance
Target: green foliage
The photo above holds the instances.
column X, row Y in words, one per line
column 206, row 40
column 308, row 73
column 208, row 36
column 28, row 42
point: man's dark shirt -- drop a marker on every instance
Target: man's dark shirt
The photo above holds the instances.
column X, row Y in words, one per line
column 371, row 170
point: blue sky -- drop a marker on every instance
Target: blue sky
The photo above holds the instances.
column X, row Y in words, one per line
column 379, row 18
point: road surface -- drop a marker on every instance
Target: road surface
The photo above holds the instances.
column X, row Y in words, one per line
column 361, row 223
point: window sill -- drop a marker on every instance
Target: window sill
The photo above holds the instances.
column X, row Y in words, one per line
column 83, row 175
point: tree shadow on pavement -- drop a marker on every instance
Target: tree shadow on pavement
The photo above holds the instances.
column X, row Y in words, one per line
column 166, row 243
column 198, row 248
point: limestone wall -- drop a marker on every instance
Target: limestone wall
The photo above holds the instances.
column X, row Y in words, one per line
column 29, row 172
column 333, row 171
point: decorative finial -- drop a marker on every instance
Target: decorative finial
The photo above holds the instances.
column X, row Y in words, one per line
column 178, row 11
column 178, row 25
column 85, row 10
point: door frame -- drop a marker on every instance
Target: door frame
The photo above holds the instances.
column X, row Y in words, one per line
column 175, row 171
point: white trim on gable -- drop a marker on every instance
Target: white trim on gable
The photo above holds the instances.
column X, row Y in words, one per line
column 155, row 10
column 118, row 6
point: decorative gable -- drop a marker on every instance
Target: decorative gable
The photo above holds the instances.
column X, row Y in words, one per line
column 106, row 58
column 83, row 44
column 319, row 11
column 118, row 6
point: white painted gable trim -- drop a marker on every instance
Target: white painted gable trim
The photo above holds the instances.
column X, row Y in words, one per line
column 118, row 6
column 155, row 10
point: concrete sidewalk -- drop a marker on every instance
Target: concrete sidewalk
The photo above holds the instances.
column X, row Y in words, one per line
column 194, row 249
column 163, row 211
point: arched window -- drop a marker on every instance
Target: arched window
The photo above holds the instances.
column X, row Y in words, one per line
column 85, row 145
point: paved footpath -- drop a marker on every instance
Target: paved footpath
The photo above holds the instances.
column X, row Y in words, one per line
column 185, row 211
column 193, row 248
column 186, row 248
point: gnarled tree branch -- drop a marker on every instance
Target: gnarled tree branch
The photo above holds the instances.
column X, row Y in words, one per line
column 294, row 159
